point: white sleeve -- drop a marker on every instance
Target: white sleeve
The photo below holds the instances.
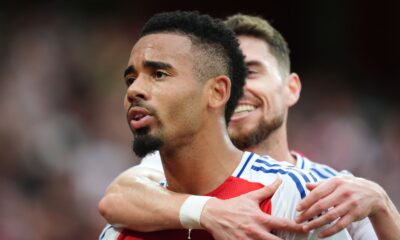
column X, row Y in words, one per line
column 152, row 161
column 284, row 203
column 109, row 233
column 362, row 230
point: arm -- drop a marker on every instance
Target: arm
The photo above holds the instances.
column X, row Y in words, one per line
column 136, row 202
column 386, row 220
column 349, row 199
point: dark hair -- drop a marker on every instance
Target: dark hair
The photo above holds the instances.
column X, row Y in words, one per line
column 258, row 27
column 216, row 46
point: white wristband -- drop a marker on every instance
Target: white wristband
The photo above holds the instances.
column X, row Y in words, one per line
column 190, row 211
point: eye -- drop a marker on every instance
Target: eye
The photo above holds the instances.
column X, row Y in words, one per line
column 129, row 81
column 160, row 74
column 251, row 73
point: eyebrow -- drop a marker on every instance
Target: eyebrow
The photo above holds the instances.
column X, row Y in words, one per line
column 130, row 69
column 157, row 65
column 254, row 63
column 148, row 64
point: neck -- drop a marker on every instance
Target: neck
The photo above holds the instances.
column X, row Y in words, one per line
column 202, row 163
column 275, row 145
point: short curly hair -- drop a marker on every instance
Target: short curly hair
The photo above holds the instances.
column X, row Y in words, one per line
column 216, row 46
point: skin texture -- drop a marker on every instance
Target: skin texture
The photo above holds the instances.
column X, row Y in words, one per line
column 183, row 116
column 142, row 183
column 271, row 93
column 154, row 87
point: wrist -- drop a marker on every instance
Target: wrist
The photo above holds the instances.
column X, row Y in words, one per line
column 382, row 204
column 191, row 211
column 206, row 218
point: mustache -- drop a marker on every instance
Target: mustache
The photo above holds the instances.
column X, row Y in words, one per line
column 142, row 104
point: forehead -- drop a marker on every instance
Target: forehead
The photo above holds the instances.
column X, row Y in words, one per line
column 255, row 49
column 167, row 47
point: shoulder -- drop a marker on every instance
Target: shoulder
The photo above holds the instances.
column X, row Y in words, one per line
column 265, row 170
column 317, row 170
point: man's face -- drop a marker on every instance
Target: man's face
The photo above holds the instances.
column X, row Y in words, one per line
column 163, row 98
column 262, row 108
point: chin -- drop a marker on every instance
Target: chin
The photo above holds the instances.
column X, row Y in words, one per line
column 237, row 135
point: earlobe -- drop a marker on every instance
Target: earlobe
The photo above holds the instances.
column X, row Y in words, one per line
column 219, row 91
column 293, row 89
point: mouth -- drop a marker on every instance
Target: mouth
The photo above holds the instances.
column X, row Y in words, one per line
column 139, row 117
column 242, row 110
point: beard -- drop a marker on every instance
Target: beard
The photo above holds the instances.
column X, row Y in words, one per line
column 261, row 132
column 144, row 143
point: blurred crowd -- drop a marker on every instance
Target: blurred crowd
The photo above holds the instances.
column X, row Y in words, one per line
column 63, row 133
column 64, row 137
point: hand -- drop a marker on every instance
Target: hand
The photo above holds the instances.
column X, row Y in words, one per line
column 348, row 199
column 242, row 218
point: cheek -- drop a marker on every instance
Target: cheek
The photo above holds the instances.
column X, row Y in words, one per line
column 181, row 108
column 260, row 87
column 185, row 111
column 126, row 103
column 170, row 108
column 273, row 101
column 276, row 103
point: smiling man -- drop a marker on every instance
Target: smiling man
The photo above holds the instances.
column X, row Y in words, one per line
column 185, row 76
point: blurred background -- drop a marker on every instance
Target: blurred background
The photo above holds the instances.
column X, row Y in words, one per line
column 63, row 133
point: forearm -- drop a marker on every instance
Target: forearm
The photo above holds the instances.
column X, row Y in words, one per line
column 136, row 202
column 386, row 220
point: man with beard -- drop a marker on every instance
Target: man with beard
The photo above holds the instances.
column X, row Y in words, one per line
column 184, row 78
column 259, row 125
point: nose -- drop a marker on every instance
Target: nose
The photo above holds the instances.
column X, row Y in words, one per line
column 138, row 90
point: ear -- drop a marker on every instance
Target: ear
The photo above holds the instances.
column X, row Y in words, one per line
column 219, row 91
column 292, row 89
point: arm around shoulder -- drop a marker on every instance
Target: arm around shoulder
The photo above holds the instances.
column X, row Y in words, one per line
column 386, row 218
column 136, row 201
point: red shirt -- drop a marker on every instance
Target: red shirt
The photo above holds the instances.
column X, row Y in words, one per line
column 232, row 187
